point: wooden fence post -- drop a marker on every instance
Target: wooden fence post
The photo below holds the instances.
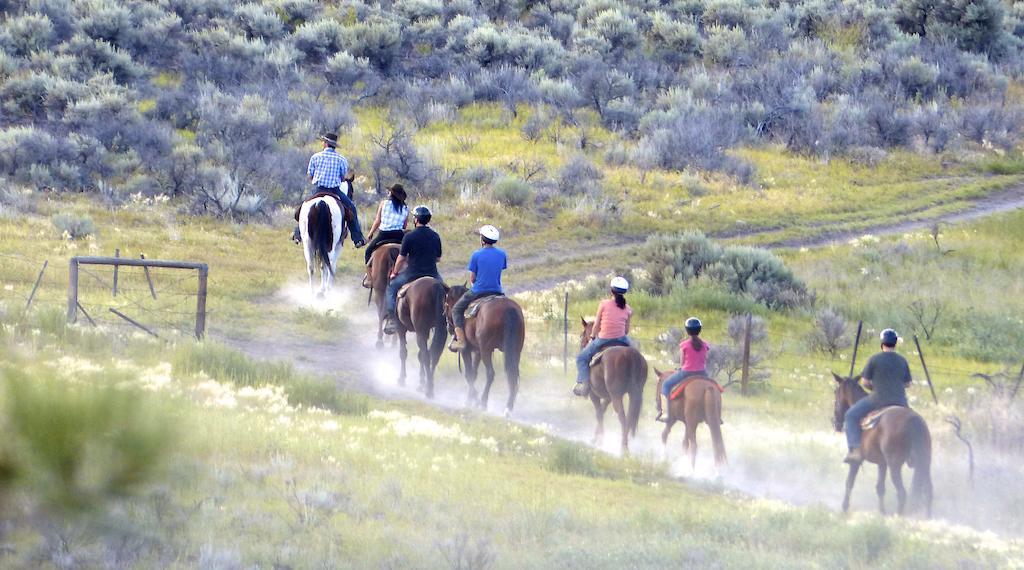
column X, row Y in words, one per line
column 117, row 253
column 201, row 302
column 745, row 380
column 565, row 335
column 856, row 344
column 925, row 366
column 145, row 269
column 1016, row 385
column 133, row 321
column 35, row 287
column 72, row 290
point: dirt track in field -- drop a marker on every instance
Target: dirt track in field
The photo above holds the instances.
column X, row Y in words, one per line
column 813, row 478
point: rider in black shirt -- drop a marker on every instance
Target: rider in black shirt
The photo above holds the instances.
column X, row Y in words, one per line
column 421, row 250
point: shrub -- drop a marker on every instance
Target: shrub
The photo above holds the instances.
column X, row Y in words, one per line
column 578, row 175
column 830, row 334
column 725, row 359
column 257, row 22
column 571, row 459
column 72, row 226
column 28, row 33
column 676, row 260
column 677, row 43
column 512, row 191
column 759, row 273
column 76, row 445
column 319, row 39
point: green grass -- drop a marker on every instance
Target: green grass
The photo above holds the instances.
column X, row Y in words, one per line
column 411, row 486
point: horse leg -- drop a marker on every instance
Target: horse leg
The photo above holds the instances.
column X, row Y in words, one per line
column 880, row 487
column 513, row 389
column 472, row 365
column 488, row 360
column 690, row 442
column 308, row 251
column 599, row 408
column 901, row 491
column 426, row 375
column 403, row 353
column 850, row 478
column 669, row 422
column 620, row 410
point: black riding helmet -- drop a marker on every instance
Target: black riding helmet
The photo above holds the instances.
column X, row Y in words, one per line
column 422, row 214
column 889, row 337
column 693, row 326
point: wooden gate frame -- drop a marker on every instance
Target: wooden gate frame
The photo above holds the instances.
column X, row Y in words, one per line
column 202, row 268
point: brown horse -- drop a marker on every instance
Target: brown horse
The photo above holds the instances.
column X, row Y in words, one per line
column 499, row 325
column 901, row 436
column 622, row 370
column 381, row 263
column 701, row 401
column 421, row 311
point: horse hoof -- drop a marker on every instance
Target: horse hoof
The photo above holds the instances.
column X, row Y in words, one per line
column 508, row 414
column 380, row 344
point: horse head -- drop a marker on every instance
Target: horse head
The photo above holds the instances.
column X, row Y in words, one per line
column 662, row 375
column 452, row 296
column 588, row 328
column 847, row 391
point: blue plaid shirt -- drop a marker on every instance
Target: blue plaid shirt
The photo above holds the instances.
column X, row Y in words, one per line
column 327, row 168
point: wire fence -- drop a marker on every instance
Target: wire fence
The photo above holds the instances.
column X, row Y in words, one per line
column 148, row 300
column 778, row 354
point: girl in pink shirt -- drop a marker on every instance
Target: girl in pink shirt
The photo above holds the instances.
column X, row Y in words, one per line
column 610, row 325
column 693, row 357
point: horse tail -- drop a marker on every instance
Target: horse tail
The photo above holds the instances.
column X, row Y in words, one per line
column 713, row 417
column 511, row 347
column 921, row 461
column 440, row 335
column 638, row 378
column 321, row 234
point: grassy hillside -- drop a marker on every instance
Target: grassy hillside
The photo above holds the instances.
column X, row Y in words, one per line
column 362, row 483
column 390, row 484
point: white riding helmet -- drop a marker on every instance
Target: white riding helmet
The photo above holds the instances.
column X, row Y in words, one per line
column 620, row 285
column 490, row 232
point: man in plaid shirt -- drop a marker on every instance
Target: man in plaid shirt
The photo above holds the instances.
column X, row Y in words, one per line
column 327, row 170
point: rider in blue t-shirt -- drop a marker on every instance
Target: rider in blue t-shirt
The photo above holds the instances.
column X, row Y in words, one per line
column 485, row 267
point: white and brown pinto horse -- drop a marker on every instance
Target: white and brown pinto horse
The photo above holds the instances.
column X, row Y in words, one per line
column 322, row 228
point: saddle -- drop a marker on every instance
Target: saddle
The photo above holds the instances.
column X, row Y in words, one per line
column 677, row 392
column 597, row 357
column 347, row 213
column 405, row 288
column 871, row 420
column 474, row 307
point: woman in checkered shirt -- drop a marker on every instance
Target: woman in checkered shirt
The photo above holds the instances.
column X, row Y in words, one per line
column 391, row 221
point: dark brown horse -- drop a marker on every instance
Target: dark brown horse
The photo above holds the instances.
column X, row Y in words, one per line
column 900, row 436
column 421, row 311
column 381, row 263
column 701, row 401
column 499, row 325
column 621, row 371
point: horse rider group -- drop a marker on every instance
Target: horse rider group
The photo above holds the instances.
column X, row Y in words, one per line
column 420, row 248
column 887, row 373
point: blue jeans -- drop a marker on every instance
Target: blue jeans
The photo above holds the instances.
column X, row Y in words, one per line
column 587, row 354
column 858, row 412
column 677, row 377
column 400, row 280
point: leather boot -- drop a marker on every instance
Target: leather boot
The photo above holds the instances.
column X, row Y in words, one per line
column 458, row 341
column 854, row 456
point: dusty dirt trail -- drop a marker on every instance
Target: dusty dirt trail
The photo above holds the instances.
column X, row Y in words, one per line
column 767, row 459
column 1006, row 200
